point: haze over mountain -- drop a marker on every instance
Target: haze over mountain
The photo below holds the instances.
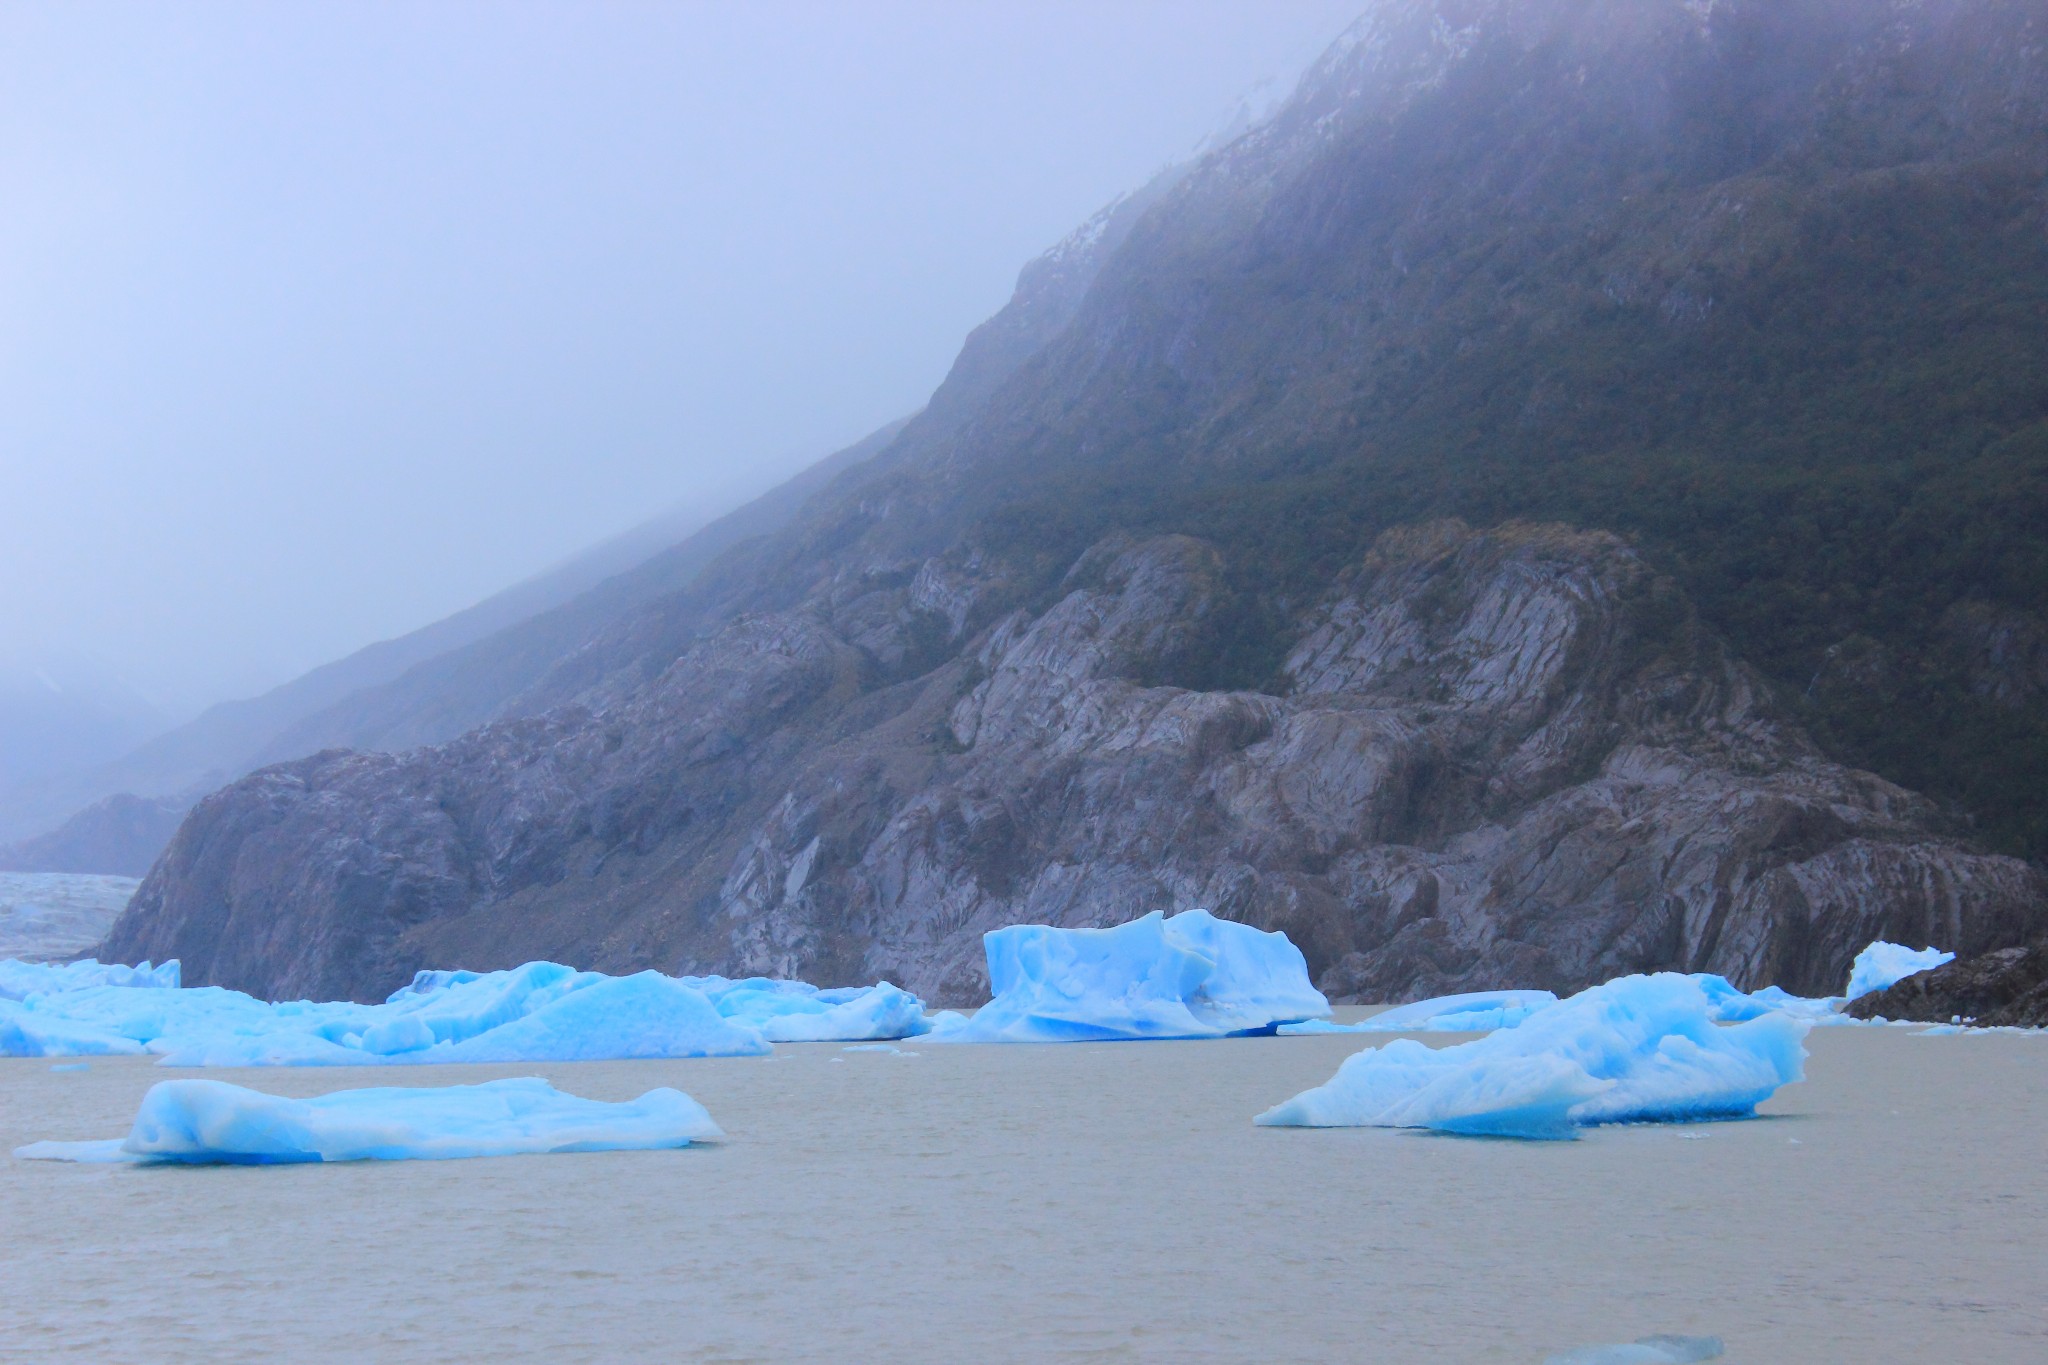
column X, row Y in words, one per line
column 429, row 685
column 322, row 323
column 1491, row 519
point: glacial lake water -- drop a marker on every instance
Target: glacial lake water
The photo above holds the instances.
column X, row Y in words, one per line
column 1078, row 1202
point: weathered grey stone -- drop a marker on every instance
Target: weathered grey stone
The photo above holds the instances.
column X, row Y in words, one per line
column 1502, row 758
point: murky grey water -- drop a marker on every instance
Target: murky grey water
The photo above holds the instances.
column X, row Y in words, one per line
column 1072, row 1202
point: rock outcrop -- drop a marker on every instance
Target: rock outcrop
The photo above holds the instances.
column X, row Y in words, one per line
column 2007, row 987
column 1510, row 757
column 1159, row 602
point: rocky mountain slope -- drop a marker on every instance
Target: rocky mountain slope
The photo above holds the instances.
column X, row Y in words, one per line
column 120, row 836
column 1503, row 756
column 1166, row 599
column 425, row 686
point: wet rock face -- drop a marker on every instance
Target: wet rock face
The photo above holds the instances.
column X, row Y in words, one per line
column 2006, row 987
column 1501, row 758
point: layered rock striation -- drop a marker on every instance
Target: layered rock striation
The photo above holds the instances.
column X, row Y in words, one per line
column 1489, row 758
column 2004, row 988
column 1161, row 602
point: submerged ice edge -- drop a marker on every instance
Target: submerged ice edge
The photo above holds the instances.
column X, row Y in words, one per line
column 1189, row 976
column 1637, row 1049
column 207, row 1122
column 1879, row 965
column 542, row 1011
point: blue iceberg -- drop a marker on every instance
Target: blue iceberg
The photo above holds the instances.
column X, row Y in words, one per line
column 29, row 1033
column 1191, row 976
column 212, row 1122
column 542, row 1011
column 1882, row 965
column 19, row 980
column 1877, row 966
column 798, row 1012
column 1637, row 1049
column 1472, row 1012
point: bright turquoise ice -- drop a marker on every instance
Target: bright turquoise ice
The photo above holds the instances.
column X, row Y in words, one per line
column 798, row 1012
column 212, row 1122
column 1640, row 1048
column 542, row 1011
column 1473, row 1012
column 1877, row 966
column 1191, row 976
column 19, row 980
column 1886, row 964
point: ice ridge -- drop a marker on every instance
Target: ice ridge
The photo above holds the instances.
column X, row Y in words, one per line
column 1637, row 1049
column 212, row 1122
column 1190, row 976
column 542, row 1011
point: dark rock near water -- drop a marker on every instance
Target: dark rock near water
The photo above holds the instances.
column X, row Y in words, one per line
column 1162, row 602
column 1502, row 757
column 2007, row 987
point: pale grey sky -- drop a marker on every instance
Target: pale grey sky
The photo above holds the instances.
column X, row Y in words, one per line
column 318, row 322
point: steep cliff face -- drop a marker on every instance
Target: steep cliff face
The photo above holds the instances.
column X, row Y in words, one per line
column 1163, row 601
column 1502, row 757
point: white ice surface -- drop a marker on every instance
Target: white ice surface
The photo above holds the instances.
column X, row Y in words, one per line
column 798, row 1012
column 1473, row 1012
column 542, row 1011
column 1191, row 976
column 1880, row 963
column 1886, row 964
column 1639, row 1048
column 19, row 980
column 212, row 1122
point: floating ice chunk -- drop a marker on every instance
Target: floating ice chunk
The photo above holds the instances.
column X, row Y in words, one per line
column 1657, row 1350
column 196, row 1121
column 1972, row 1030
column 19, row 980
column 27, row 1033
column 1259, row 979
column 542, row 1011
column 266, row 1047
column 882, row 1011
column 1639, row 1048
column 1733, row 1006
column 795, row 1012
column 1886, row 964
column 1474, row 1012
column 878, row 1047
column 72, row 1066
column 645, row 1015
column 1192, row 976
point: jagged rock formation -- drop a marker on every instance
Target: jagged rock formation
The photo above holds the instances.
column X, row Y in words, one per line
column 1511, row 756
column 2007, row 987
column 1159, row 603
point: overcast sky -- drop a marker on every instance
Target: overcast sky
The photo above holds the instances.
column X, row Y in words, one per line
column 318, row 322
